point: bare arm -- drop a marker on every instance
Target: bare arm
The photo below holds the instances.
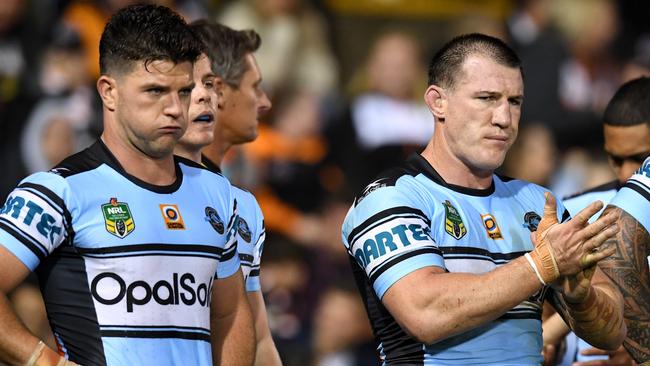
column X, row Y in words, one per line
column 231, row 323
column 266, row 353
column 628, row 269
column 16, row 342
column 594, row 309
column 554, row 329
column 432, row 305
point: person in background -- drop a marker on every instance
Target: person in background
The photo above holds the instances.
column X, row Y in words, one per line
column 629, row 267
column 626, row 130
column 229, row 94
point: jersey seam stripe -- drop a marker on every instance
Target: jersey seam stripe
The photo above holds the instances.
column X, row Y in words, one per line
column 148, row 254
column 378, row 271
column 37, row 248
column 451, row 251
column 67, row 217
column 44, row 197
column 160, row 247
column 633, row 186
column 477, row 258
column 154, row 334
column 126, row 326
column 386, row 213
column 352, row 238
column 229, row 254
column 46, row 192
column 387, row 219
column 640, row 183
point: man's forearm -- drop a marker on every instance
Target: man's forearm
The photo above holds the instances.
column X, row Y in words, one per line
column 233, row 338
column 628, row 269
column 16, row 342
column 267, row 354
column 432, row 305
column 598, row 319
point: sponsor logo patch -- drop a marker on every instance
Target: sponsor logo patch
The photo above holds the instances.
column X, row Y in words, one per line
column 172, row 216
column 117, row 218
column 491, row 226
column 454, row 225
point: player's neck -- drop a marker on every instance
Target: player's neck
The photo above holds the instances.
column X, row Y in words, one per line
column 188, row 153
column 217, row 149
column 453, row 170
column 155, row 171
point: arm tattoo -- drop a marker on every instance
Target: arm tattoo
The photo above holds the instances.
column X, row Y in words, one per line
column 628, row 269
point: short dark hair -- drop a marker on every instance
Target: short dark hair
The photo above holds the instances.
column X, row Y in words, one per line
column 446, row 64
column 227, row 48
column 146, row 33
column 630, row 106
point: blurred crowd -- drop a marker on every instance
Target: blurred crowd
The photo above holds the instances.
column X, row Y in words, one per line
column 346, row 80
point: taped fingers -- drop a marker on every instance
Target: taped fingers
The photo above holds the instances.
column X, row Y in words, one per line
column 550, row 213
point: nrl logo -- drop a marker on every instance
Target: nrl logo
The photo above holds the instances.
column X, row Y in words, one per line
column 118, row 218
column 454, row 225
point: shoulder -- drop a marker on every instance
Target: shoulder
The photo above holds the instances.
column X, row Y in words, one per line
column 634, row 196
column 86, row 160
column 392, row 195
column 530, row 194
column 601, row 189
column 201, row 172
column 604, row 192
column 386, row 183
column 520, row 187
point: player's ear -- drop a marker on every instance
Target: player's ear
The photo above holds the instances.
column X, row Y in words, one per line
column 436, row 99
column 223, row 91
column 107, row 89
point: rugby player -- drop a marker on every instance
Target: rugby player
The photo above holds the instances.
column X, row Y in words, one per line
column 133, row 247
column 626, row 128
column 236, row 109
column 454, row 261
column 629, row 267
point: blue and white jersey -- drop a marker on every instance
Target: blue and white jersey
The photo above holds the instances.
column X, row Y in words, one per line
column 634, row 197
column 126, row 268
column 250, row 232
column 411, row 218
column 605, row 192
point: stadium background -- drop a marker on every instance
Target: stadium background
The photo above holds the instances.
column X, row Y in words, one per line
column 346, row 79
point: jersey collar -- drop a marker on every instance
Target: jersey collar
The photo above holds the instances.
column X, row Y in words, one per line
column 422, row 165
column 102, row 153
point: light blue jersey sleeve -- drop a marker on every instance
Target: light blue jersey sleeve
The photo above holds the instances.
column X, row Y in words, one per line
column 388, row 233
column 35, row 219
column 259, row 235
column 229, row 261
column 634, row 197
